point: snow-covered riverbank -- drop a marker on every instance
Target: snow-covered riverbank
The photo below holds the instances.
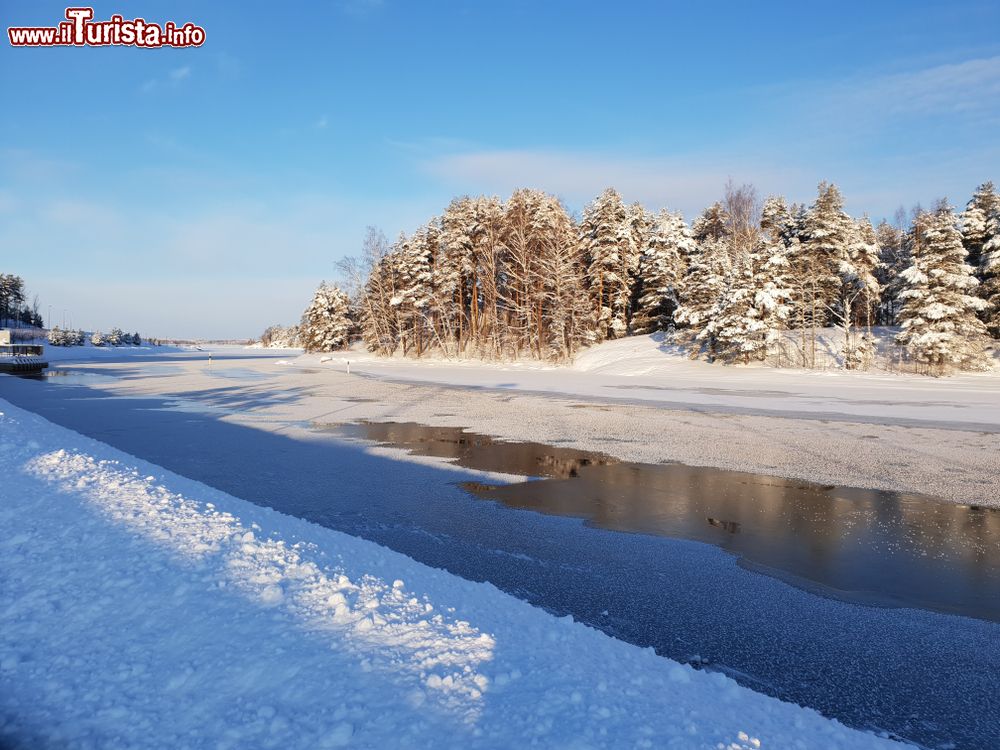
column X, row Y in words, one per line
column 141, row 609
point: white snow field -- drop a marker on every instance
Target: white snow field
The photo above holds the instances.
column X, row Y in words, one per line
column 140, row 609
column 649, row 369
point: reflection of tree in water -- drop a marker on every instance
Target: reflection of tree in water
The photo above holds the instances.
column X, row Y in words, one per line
column 865, row 544
column 478, row 451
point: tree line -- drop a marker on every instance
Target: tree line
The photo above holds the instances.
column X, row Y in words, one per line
column 70, row 337
column 14, row 307
column 522, row 277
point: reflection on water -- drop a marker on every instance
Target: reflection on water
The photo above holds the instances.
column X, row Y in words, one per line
column 869, row 546
column 477, row 451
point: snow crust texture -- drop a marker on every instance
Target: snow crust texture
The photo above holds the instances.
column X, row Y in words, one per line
column 139, row 609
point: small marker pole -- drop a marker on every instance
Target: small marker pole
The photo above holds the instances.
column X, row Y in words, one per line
column 348, row 367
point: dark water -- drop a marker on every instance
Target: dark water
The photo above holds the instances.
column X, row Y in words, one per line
column 870, row 546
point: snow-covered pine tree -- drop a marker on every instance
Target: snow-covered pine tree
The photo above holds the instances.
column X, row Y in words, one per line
column 710, row 224
column 975, row 219
column 57, row 336
column 640, row 223
column 662, row 270
column 486, row 214
column 776, row 220
column 454, row 275
column 326, row 324
column 894, row 258
column 415, row 291
column 114, row 338
column 859, row 295
column 97, row 338
column 534, row 237
column 728, row 324
column 379, row 320
column 989, row 268
column 708, row 273
column 826, row 236
column 608, row 246
column 745, row 322
column 938, row 317
column 566, row 321
column 708, row 269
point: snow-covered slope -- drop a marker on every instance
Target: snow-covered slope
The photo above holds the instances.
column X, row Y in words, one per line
column 142, row 609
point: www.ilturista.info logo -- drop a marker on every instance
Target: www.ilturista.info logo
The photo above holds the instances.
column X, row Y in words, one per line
column 80, row 30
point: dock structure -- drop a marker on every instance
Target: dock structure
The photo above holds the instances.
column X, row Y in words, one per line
column 21, row 359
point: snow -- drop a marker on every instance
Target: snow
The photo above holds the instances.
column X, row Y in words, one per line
column 54, row 354
column 143, row 609
column 653, row 370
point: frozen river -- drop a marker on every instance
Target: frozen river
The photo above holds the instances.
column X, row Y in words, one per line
column 923, row 675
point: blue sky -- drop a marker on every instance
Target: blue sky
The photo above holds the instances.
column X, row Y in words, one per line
column 205, row 192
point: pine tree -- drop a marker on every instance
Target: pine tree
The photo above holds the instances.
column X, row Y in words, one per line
column 826, row 235
column 454, row 274
column 938, row 317
column 415, row 288
column 57, row 336
column 607, row 241
column 989, row 268
column 708, row 266
column 326, row 324
column 662, row 269
column 894, row 258
column 745, row 321
column 859, row 294
column 115, row 337
column 773, row 291
column 565, row 319
column 706, row 280
column 975, row 221
column 97, row 338
column 776, row 220
column 379, row 319
column 486, row 214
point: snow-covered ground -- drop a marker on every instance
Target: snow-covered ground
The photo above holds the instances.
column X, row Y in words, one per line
column 648, row 369
column 88, row 352
column 142, row 609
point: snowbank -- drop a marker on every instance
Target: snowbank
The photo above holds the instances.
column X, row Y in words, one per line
column 142, row 609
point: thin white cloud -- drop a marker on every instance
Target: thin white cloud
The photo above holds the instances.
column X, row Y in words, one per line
column 687, row 184
column 950, row 89
column 180, row 74
column 174, row 78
